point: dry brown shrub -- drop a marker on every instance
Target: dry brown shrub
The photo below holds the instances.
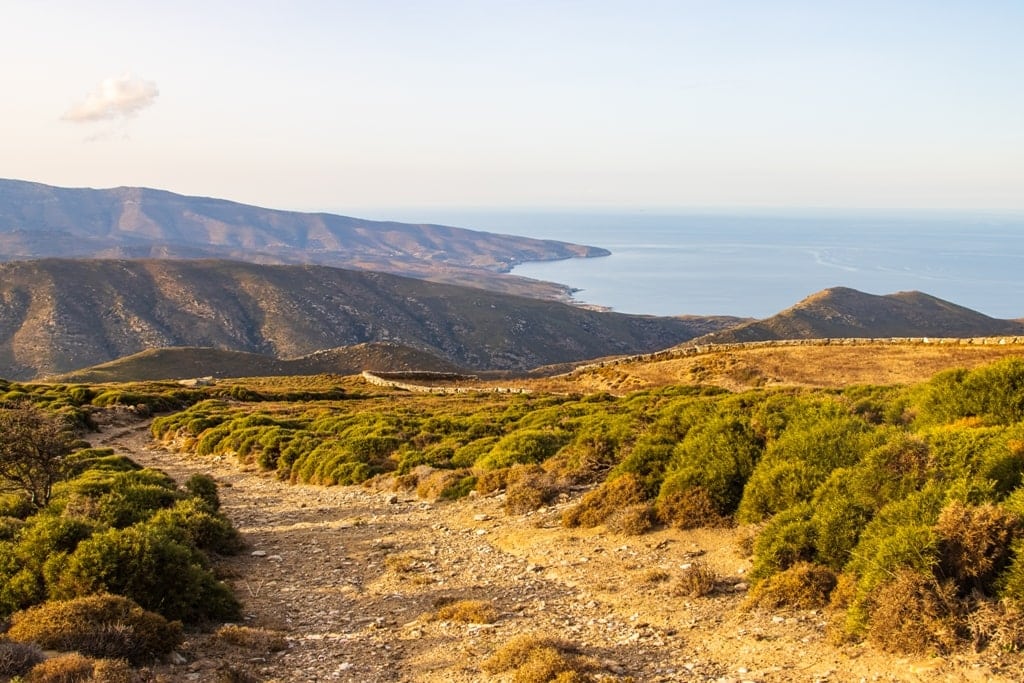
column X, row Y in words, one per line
column 974, row 542
column 76, row 668
column 69, row 668
column 915, row 613
column 260, row 639
column 230, row 674
column 534, row 659
column 405, row 482
column 999, row 625
column 655, row 576
column 112, row 671
column 97, row 625
column 405, row 563
column 689, row 509
column 595, row 507
column 489, row 481
column 632, row 520
column 696, row 580
column 432, row 484
column 803, row 586
column 528, row 488
column 467, row 612
column 17, row 658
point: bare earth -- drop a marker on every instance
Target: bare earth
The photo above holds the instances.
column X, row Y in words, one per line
column 347, row 575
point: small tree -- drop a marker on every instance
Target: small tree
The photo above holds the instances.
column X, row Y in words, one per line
column 33, row 445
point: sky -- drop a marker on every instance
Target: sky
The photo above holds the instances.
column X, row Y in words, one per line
column 632, row 105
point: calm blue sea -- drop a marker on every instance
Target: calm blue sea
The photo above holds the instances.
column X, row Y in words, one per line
column 757, row 264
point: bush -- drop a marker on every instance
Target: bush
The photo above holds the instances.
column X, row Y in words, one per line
column 204, row 486
column 789, row 538
column 632, row 520
column 524, row 446
column 148, row 565
column 975, row 544
column 467, row 612
column 528, row 488
column 533, row 659
column 99, row 626
column 595, row 507
column 803, row 586
column 17, row 658
column 191, row 523
column 687, row 507
column 696, row 580
column 915, row 613
column 253, row 638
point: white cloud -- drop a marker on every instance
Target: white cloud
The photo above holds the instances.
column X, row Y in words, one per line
column 114, row 98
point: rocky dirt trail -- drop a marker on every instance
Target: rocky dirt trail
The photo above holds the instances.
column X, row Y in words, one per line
column 347, row 574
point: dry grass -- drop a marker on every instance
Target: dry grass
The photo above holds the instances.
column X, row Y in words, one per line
column 536, row 659
column 260, row 639
column 632, row 520
column 802, row 586
column 696, row 580
column 466, row 612
column 813, row 365
column 76, row 668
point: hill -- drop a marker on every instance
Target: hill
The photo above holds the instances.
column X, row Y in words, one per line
column 841, row 312
column 191, row 362
column 41, row 221
column 59, row 315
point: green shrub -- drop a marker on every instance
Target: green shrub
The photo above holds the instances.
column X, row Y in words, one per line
column 98, row 626
column 799, row 461
column 522, row 447
column 788, row 539
column 16, row 505
column 148, row 565
column 191, row 523
column 204, row 487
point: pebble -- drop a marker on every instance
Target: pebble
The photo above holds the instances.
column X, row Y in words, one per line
column 259, row 553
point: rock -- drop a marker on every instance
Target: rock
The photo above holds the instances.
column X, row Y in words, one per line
column 481, row 518
column 259, row 553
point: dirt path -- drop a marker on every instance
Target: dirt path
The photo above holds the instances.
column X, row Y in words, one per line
column 347, row 575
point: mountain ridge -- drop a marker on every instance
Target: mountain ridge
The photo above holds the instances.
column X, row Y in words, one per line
column 44, row 221
column 60, row 315
column 843, row 312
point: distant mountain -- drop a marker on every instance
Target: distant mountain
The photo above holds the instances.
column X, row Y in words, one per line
column 41, row 221
column 59, row 315
column 191, row 362
column 841, row 312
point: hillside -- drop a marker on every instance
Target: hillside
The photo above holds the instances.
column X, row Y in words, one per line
column 841, row 312
column 41, row 221
column 191, row 362
column 60, row 315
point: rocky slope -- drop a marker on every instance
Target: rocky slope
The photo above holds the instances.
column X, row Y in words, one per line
column 60, row 315
column 841, row 312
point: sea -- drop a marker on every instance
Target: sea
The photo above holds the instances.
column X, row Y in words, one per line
column 755, row 264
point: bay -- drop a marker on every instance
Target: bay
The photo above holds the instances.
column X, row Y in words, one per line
column 755, row 264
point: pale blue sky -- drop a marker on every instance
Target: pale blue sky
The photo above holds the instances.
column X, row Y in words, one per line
column 637, row 105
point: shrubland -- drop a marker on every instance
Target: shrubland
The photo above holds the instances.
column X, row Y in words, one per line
column 858, row 496
column 97, row 554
